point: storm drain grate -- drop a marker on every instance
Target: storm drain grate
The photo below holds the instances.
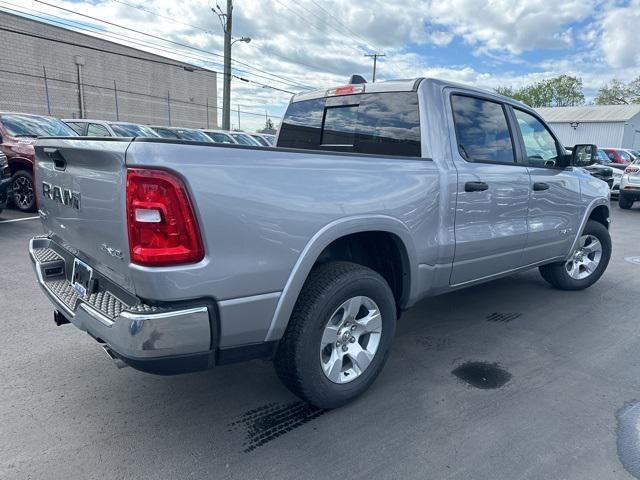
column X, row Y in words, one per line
column 502, row 317
column 273, row 420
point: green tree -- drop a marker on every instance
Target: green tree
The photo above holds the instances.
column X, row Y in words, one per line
column 619, row 93
column 561, row 91
column 268, row 127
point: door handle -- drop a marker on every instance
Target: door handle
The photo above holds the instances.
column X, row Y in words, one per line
column 475, row 187
column 539, row 186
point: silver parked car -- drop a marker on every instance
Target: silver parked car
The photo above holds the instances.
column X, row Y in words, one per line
column 220, row 136
column 181, row 133
column 104, row 128
column 265, row 139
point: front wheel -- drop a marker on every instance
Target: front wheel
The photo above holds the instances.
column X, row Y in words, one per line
column 625, row 202
column 339, row 335
column 586, row 264
column 22, row 191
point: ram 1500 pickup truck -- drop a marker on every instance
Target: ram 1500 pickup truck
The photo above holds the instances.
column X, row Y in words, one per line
column 179, row 256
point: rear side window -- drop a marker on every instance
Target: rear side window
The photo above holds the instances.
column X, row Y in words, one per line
column 77, row 127
column 482, row 130
column 166, row 133
column 219, row 137
column 97, row 130
column 375, row 123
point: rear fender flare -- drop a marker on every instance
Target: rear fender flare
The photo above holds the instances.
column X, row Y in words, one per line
column 323, row 238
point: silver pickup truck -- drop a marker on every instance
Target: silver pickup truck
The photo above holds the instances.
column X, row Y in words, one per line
column 178, row 256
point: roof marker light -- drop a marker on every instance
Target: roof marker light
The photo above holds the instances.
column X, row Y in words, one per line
column 346, row 90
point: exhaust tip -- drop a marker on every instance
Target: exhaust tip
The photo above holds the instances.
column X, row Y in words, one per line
column 116, row 360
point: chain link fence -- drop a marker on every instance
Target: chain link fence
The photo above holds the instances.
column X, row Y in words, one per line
column 64, row 94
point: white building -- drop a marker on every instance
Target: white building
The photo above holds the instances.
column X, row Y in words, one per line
column 604, row 125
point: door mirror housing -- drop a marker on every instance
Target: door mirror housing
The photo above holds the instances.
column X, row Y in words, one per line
column 584, row 155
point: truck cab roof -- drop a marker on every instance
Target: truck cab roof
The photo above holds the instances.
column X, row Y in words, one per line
column 402, row 85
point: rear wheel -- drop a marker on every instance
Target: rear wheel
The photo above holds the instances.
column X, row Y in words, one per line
column 625, row 202
column 339, row 335
column 586, row 264
column 22, row 191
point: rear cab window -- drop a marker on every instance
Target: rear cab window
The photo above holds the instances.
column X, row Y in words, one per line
column 369, row 123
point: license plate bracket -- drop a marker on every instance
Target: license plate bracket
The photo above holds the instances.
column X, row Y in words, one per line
column 81, row 277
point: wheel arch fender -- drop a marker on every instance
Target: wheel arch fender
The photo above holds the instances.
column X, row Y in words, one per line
column 595, row 207
column 322, row 239
column 19, row 163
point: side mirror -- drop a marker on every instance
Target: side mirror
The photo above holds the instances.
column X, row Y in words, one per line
column 584, row 155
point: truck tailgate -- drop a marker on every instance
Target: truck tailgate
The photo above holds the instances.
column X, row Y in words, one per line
column 81, row 191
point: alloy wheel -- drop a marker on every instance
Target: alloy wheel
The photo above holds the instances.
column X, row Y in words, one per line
column 351, row 339
column 585, row 260
column 23, row 192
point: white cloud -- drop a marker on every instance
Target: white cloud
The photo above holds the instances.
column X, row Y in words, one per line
column 619, row 35
column 322, row 42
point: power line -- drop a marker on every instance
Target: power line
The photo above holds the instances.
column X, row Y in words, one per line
column 262, row 47
column 352, row 35
column 118, row 36
column 341, row 23
column 152, row 12
column 304, row 19
column 286, row 81
column 183, row 67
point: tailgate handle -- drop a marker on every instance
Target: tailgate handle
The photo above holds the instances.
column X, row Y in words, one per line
column 59, row 162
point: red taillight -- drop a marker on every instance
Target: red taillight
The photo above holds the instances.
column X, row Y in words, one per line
column 162, row 225
column 346, row 90
column 632, row 169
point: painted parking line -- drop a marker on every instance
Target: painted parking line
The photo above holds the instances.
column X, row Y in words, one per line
column 18, row 219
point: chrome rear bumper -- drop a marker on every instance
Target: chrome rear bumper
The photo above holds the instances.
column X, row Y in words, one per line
column 136, row 332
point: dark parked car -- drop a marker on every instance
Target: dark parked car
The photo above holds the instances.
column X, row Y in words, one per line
column 5, row 181
column 18, row 132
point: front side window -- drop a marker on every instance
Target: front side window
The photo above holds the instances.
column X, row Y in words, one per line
column 542, row 148
column 97, row 130
column 482, row 130
column 374, row 123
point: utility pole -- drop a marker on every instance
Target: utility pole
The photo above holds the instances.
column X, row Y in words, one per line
column 226, row 89
column 226, row 20
column 375, row 63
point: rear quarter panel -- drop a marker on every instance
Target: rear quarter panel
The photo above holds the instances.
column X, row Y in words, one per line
column 259, row 208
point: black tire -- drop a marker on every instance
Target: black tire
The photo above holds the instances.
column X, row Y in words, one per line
column 558, row 276
column 625, row 202
column 23, row 192
column 297, row 361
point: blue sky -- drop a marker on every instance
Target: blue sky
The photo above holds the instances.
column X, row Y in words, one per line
column 302, row 44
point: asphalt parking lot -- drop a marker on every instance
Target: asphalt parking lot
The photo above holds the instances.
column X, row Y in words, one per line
column 570, row 360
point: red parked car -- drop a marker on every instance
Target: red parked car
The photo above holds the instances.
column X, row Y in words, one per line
column 18, row 132
column 617, row 155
